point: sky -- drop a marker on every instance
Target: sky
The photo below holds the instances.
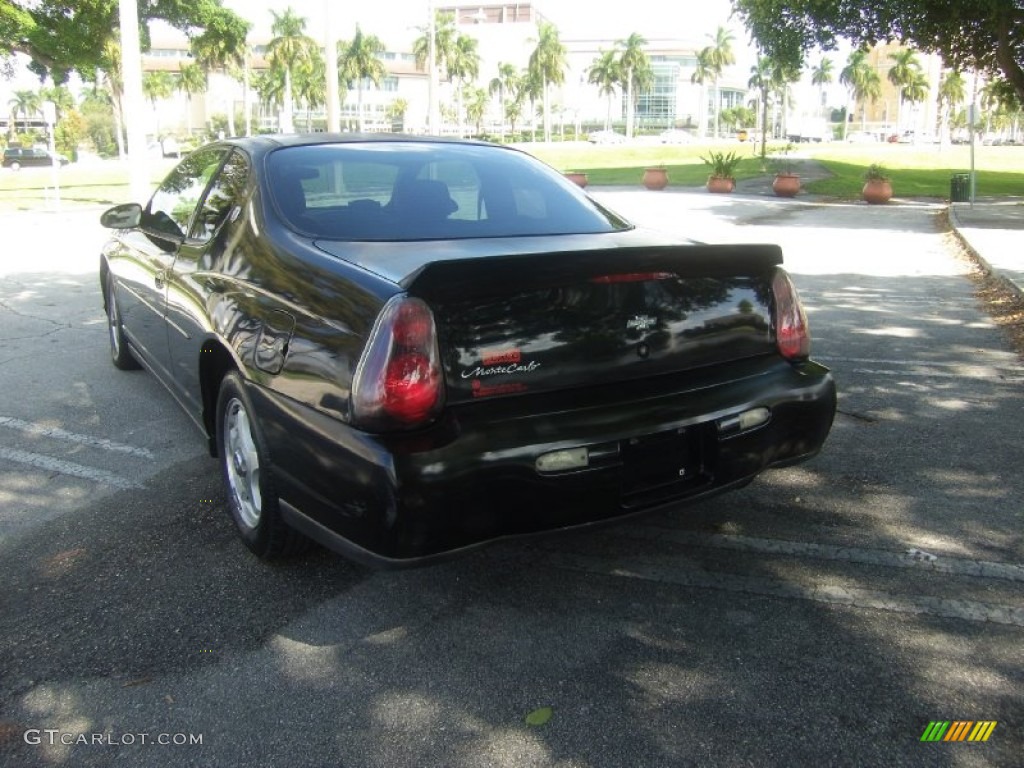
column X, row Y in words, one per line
column 395, row 21
column 684, row 19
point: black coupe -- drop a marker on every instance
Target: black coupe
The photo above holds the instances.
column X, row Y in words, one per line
column 402, row 347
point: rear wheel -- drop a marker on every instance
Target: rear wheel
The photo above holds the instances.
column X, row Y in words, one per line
column 120, row 355
column 15, row 166
column 245, row 467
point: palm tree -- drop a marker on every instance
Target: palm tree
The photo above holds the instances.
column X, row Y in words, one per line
column 310, row 84
column 605, row 73
column 531, row 88
column 157, row 86
column 358, row 62
column 952, row 91
column 635, row 68
column 463, row 66
column 762, row 80
column 862, row 82
column 213, row 53
column 26, row 103
column 821, row 76
column 701, row 75
column 191, row 80
column 504, row 84
column 290, row 46
column 720, row 55
column 916, row 91
column 548, row 63
column 444, row 45
column 269, row 86
column 904, row 70
column 476, row 106
column 395, row 111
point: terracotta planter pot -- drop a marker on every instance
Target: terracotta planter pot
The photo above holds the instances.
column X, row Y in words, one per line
column 655, row 178
column 719, row 185
column 876, row 192
column 786, row 184
column 579, row 179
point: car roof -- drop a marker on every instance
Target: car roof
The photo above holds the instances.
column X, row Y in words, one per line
column 267, row 142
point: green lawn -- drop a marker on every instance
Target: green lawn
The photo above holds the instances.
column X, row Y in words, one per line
column 915, row 171
column 99, row 184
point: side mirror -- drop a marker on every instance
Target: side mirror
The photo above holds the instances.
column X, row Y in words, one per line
column 124, row 216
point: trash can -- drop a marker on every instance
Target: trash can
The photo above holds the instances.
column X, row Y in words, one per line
column 960, row 188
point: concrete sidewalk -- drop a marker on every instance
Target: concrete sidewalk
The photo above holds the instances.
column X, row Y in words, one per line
column 994, row 230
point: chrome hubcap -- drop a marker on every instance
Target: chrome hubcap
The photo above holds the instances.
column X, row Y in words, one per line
column 243, row 463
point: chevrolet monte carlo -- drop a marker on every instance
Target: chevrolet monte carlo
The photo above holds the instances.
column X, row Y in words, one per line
column 403, row 347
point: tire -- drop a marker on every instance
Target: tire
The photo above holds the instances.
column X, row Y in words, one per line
column 15, row 166
column 248, row 482
column 120, row 355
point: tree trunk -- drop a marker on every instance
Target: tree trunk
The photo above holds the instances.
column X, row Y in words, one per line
column 285, row 123
column 115, row 98
column 359, row 104
column 547, row 116
column 246, row 95
column 629, row 103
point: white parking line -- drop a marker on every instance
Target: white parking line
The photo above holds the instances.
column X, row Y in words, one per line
column 51, row 464
column 73, row 437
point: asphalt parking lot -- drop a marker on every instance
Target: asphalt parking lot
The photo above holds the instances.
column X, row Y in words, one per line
column 825, row 614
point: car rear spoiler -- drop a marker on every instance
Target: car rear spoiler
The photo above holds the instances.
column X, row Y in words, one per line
column 496, row 275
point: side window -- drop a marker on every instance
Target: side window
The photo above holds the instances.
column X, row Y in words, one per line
column 225, row 192
column 172, row 205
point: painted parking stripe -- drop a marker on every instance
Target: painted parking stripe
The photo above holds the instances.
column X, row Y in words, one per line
column 50, row 464
column 670, row 573
column 56, row 433
column 954, row 566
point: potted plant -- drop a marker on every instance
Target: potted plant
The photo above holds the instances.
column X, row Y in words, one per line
column 787, row 180
column 656, row 177
column 877, row 188
column 579, row 178
column 723, row 170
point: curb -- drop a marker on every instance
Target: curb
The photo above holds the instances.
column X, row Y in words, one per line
column 955, row 224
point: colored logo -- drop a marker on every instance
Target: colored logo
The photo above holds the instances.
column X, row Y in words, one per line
column 958, row 730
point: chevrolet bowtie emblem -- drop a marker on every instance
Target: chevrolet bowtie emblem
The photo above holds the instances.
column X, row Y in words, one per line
column 641, row 322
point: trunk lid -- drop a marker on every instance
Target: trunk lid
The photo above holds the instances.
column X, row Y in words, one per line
column 511, row 325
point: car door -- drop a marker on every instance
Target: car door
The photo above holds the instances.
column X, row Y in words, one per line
column 143, row 261
column 190, row 282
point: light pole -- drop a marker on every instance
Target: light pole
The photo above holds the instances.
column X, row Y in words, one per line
column 132, row 101
column 331, row 56
column 433, row 112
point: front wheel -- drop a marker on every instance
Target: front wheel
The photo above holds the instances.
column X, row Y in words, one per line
column 245, row 468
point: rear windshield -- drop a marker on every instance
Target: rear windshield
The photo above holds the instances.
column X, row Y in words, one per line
column 425, row 191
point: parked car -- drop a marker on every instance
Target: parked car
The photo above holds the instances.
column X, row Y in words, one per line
column 676, row 136
column 861, row 137
column 403, row 347
column 17, row 157
column 606, row 137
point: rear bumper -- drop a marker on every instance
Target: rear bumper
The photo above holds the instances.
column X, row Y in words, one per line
column 404, row 500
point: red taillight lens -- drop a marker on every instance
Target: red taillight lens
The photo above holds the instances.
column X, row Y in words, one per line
column 792, row 334
column 398, row 381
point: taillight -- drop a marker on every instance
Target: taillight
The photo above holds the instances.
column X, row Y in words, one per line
column 792, row 335
column 398, row 382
